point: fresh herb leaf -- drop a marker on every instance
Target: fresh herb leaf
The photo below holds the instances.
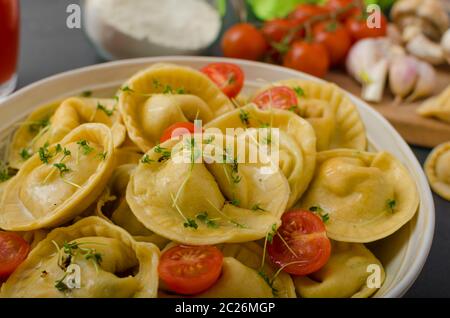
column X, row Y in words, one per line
column 108, row 112
column 102, row 156
column 299, row 91
column 271, row 234
column 204, row 217
column 58, row 148
column 84, row 146
column 69, row 248
column 4, row 172
column 293, row 109
column 235, row 202
column 25, row 154
column 63, row 169
column 60, row 285
column 257, row 207
column 95, row 256
column 116, row 98
column 44, row 154
column 191, row 223
column 156, row 83
column 127, row 89
column 86, row 94
column 209, row 140
column 180, row 91
column 268, row 281
column 146, row 159
column 244, row 117
column 38, row 125
column 165, row 153
column 391, row 204
column 320, row 212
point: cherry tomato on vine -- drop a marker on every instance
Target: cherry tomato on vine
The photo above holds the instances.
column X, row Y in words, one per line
column 308, row 247
column 228, row 77
column 311, row 58
column 350, row 5
column 304, row 12
column 277, row 30
column 190, row 270
column 335, row 38
column 244, row 41
column 13, row 251
column 359, row 29
column 282, row 97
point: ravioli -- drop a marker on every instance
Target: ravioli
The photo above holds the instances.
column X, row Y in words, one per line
column 367, row 196
column 174, row 196
column 110, row 262
column 348, row 273
column 296, row 142
column 59, row 182
column 113, row 207
column 50, row 124
column 437, row 168
column 437, row 107
column 242, row 275
column 333, row 116
column 164, row 94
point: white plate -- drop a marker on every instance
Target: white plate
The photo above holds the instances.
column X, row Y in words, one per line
column 403, row 254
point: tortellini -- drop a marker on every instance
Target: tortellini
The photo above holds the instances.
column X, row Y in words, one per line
column 60, row 181
column 296, row 142
column 110, row 263
column 437, row 168
column 348, row 273
column 165, row 94
column 113, row 206
column 169, row 193
column 334, row 117
column 50, row 124
column 368, row 196
column 437, row 107
column 242, row 276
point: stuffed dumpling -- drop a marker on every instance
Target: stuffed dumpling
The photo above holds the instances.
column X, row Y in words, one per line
column 104, row 259
column 367, row 196
column 178, row 186
column 296, row 142
column 165, row 94
column 437, row 107
column 347, row 274
column 44, row 127
column 437, row 168
column 60, row 181
column 333, row 116
column 113, row 206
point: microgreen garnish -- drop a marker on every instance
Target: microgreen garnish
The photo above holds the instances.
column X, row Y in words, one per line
column 293, row 109
column 165, row 153
column 272, row 233
column 108, row 112
column 391, row 204
column 44, row 154
column 102, row 155
column 146, row 159
column 4, row 172
column 209, row 140
column 299, row 91
column 84, row 146
column 268, row 239
column 204, row 217
column 226, row 216
column 86, row 94
column 244, row 117
column 127, row 89
column 320, row 212
column 156, row 83
column 235, row 202
column 190, row 223
column 257, row 207
column 268, row 281
column 94, row 256
column 116, row 98
column 62, row 168
column 36, row 126
column 25, row 154
column 60, row 285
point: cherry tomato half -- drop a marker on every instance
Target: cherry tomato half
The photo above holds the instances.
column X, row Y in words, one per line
column 282, row 97
column 311, row 58
column 13, row 251
column 229, row 77
column 359, row 29
column 190, row 270
column 335, row 38
column 305, row 234
column 244, row 41
column 176, row 130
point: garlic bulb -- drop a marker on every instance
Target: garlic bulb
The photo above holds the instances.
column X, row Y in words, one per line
column 425, row 49
column 426, row 81
column 402, row 76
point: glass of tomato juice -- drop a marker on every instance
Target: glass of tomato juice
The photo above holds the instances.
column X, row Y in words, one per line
column 9, row 45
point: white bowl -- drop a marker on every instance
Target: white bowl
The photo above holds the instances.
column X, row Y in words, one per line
column 403, row 254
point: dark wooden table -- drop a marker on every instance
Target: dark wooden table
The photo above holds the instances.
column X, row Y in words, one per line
column 49, row 47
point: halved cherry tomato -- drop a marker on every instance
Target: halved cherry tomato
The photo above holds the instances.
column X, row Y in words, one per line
column 229, row 77
column 305, row 234
column 190, row 270
column 13, row 251
column 176, row 130
column 359, row 29
column 335, row 5
column 244, row 41
column 335, row 38
column 282, row 97
column 304, row 12
column 311, row 58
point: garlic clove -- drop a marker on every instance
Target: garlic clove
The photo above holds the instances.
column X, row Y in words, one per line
column 420, row 46
column 402, row 76
column 376, row 81
column 426, row 81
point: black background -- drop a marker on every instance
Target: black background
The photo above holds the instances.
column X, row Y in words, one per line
column 49, row 47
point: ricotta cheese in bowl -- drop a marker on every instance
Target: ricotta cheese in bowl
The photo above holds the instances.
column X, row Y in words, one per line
column 123, row 29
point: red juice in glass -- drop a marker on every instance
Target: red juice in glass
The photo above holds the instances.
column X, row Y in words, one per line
column 9, row 45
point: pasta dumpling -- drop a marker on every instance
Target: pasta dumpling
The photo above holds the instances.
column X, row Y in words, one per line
column 165, row 94
column 113, row 206
column 60, row 181
column 333, row 116
column 173, row 195
column 297, row 141
column 346, row 274
column 109, row 262
column 44, row 127
column 242, row 275
column 437, row 107
column 437, row 168
column 367, row 196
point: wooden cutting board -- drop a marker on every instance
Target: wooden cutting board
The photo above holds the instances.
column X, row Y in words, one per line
column 415, row 129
